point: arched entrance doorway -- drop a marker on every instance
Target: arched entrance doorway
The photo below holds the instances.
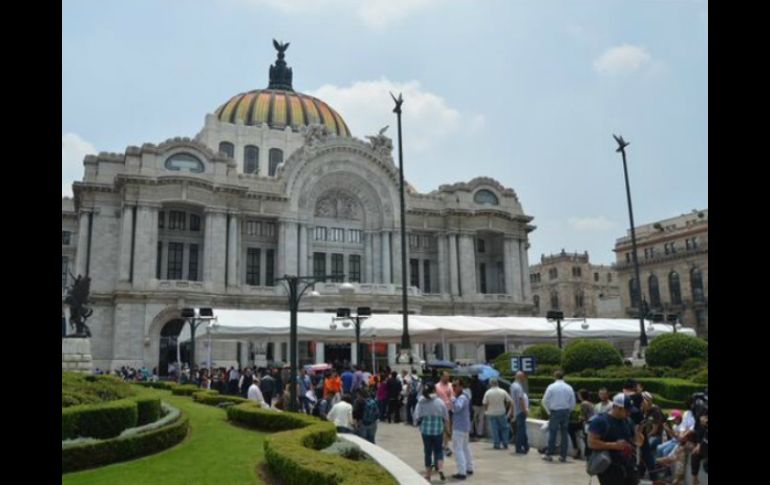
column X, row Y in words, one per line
column 168, row 341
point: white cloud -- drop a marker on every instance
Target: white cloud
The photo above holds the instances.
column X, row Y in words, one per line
column 624, row 58
column 367, row 106
column 376, row 14
column 591, row 224
column 73, row 150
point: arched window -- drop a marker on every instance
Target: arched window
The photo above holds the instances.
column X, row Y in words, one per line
column 184, row 162
column 484, row 196
column 633, row 292
column 696, row 283
column 579, row 297
column 674, row 288
column 227, row 148
column 554, row 301
column 276, row 158
column 251, row 159
column 654, row 289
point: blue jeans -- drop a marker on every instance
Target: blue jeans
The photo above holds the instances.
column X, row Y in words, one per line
column 522, row 443
column 559, row 421
column 499, row 427
column 666, row 448
column 383, row 405
column 367, row 431
column 433, row 448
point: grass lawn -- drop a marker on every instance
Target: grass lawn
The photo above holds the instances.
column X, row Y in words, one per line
column 213, row 452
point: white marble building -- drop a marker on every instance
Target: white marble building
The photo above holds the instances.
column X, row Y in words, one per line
column 275, row 184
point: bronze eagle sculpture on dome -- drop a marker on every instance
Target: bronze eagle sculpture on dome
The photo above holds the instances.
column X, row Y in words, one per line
column 280, row 47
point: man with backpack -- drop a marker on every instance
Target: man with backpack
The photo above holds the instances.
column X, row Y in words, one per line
column 415, row 386
column 614, row 432
column 365, row 414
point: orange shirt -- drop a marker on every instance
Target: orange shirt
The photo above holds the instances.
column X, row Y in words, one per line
column 332, row 386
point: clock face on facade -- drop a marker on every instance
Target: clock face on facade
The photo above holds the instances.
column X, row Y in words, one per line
column 184, row 162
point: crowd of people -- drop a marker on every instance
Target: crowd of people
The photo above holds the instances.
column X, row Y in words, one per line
column 640, row 439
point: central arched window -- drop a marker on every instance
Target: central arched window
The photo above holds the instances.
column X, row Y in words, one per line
column 696, row 282
column 485, row 196
column 227, row 148
column 184, row 162
column 654, row 289
column 675, row 288
column 276, row 158
column 251, row 159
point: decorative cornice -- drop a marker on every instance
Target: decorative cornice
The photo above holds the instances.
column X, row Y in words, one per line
column 477, row 183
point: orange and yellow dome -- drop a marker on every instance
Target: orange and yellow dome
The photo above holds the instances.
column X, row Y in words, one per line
column 280, row 108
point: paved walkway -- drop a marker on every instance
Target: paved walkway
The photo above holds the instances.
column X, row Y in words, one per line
column 490, row 465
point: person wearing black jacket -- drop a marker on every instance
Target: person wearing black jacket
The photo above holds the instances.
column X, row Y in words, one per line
column 478, row 388
column 267, row 386
column 394, row 398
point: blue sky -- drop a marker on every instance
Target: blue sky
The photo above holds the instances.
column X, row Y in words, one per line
column 526, row 92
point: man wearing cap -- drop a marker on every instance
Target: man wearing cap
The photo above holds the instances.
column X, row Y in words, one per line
column 558, row 401
column 652, row 429
column 614, row 432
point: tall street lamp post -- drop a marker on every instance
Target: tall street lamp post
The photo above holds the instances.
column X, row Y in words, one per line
column 343, row 315
column 297, row 286
column 406, row 346
column 622, row 144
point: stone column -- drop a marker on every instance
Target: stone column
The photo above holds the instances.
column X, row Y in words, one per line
column 146, row 248
column 516, row 276
column 467, row 265
column 214, row 249
column 291, row 264
column 416, row 352
column 376, row 257
column 386, row 257
column 319, row 353
column 303, row 250
column 368, row 263
column 280, row 250
column 125, row 243
column 232, row 251
column 524, row 265
column 353, row 353
column 420, row 273
column 443, row 264
column 82, row 249
column 454, row 274
column 396, row 255
column 278, row 354
column 391, row 354
column 509, row 264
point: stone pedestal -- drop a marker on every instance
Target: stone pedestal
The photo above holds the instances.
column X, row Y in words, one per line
column 76, row 355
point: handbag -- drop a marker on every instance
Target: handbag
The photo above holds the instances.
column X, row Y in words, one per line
column 598, row 462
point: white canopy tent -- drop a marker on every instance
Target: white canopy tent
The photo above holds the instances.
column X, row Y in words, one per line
column 257, row 324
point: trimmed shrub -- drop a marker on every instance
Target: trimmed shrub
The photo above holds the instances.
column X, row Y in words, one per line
column 673, row 349
column 165, row 385
column 148, row 410
column 89, row 389
column 671, row 389
column 545, row 370
column 185, row 390
column 346, row 449
column 104, row 420
column 544, row 354
column 503, row 362
column 93, row 454
column 292, row 455
column 701, row 377
column 213, row 398
column 590, row 354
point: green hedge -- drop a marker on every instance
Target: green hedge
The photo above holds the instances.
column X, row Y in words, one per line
column 185, row 390
column 673, row 349
column 669, row 388
column 148, row 410
column 115, row 450
column 166, row 385
column 503, row 362
column 590, row 354
column 213, row 398
column 104, row 420
column 90, row 389
column 293, row 455
column 544, row 354
column 702, row 377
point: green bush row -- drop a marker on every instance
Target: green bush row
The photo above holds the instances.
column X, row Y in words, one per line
column 115, row 450
column 590, row 354
column 293, row 455
column 185, row 390
column 670, row 388
column 214, row 398
column 103, row 420
column 672, row 350
column 78, row 388
column 165, row 385
column 148, row 410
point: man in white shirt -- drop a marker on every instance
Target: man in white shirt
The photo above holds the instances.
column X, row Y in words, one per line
column 558, row 401
column 255, row 394
column 342, row 414
column 495, row 402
